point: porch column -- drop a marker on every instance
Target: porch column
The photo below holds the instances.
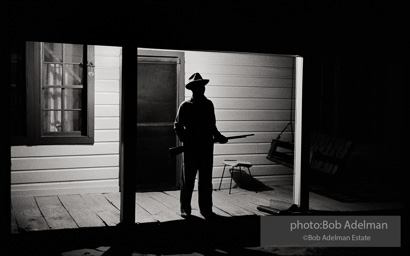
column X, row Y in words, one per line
column 301, row 171
column 128, row 137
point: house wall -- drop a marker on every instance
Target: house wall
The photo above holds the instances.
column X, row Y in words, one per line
column 251, row 94
column 62, row 169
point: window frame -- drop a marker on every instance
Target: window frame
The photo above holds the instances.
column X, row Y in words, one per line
column 35, row 135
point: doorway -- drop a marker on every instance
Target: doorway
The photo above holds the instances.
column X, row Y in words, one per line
column 159, row 76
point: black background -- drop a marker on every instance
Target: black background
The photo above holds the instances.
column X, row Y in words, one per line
column 329, row 35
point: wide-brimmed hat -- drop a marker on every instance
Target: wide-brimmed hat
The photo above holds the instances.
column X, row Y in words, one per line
column 196, row 80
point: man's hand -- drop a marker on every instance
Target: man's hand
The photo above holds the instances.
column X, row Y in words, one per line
column 222, row 139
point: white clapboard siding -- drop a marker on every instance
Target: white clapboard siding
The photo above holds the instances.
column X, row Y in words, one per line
column 255, row 159
column 252, row 93
column 107, row 73
column 240, row 70
column 66, row 150
column 231, row 58
column 62, row 169
column 254, row 126
column 258, row 170
column 65, row 187
column 241, row 81
column 245, row 148
column 101, row 50
column 107, row 123
column 107, row 61
column 106, row 135
column 107, row 110
column 245, row 92
column 258, row 137
column 51, row 162
column 252, row 115
column 107, row 86
column 251, row 104
column 56, row 175
column 107, row 98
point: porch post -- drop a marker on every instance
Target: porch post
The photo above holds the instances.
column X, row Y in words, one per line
column 128, row 140
column 300, row 178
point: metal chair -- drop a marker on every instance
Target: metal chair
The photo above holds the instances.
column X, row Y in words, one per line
column 236, row 166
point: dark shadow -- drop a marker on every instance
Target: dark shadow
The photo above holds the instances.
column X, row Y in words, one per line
column 243, row 180
column 219, row 236
column 355, row 189
column 188, row 236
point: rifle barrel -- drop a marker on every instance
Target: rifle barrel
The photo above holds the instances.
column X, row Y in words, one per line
column 179, row 149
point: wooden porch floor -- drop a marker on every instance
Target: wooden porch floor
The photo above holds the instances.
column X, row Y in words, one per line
column 100, row 210
column 75, row 211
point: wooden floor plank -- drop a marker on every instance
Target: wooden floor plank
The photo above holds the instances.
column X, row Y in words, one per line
column 141, row 215
column 100, row 205
column 173, row 193
column 284, row 193
column 194, row 204
column 71, row 211
column 167, row 200
column 155, row 208
column 264, row 200
column 280, row 198
column 252, row 198
column 215, row 209
column 234, row 199
column 14, row 227
column 78, row 209
column 232, row 209
column 277, row 193
column 316, row 202
column 54, row 213
column 114, row 199
column 28, row 216
column 172, row 203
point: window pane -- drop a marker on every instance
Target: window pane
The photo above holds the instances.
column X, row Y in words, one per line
column 73, row 53
column 72, row 121
column 51, row 98
column 73, row 75
column 53, row 52
column 52, row 74
column 51, row 121
column 72, row 98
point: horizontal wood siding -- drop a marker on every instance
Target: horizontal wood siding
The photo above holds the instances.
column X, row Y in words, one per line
column 251, row 93
column 63, row 169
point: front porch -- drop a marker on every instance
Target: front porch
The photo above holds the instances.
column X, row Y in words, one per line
column 52, row 225
column 78, row 211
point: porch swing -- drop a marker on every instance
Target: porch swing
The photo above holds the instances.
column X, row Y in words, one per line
column 282, row 152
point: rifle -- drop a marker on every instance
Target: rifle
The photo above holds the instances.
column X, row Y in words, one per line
column 174, row 151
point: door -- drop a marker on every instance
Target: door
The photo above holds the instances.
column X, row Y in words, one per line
column 157, row 103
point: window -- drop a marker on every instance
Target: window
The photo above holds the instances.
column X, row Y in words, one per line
column 58, row 94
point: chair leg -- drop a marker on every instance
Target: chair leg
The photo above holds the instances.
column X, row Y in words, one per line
column 250, row 174
column 230, row 185
column 222, row 177
column 240, row 173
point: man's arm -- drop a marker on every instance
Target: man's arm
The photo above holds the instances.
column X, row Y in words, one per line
column 217, row 135
column 179, row 125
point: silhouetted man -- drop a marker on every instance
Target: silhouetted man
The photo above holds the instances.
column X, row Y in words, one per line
column 195, row 126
